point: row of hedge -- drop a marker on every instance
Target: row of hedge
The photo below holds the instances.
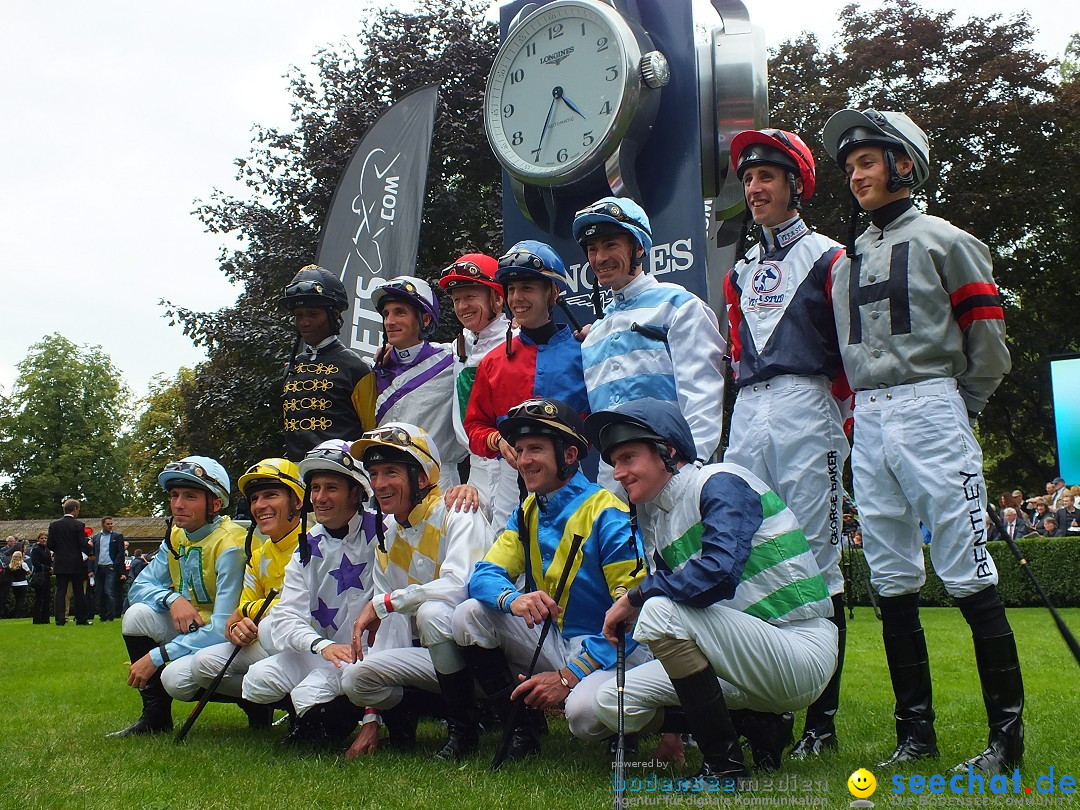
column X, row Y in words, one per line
column 1055, row 562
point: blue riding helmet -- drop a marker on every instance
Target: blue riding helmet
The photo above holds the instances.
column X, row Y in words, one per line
column 613, row 215
column 531, row 259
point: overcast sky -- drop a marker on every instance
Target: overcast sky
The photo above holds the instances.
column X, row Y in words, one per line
column 120, row 114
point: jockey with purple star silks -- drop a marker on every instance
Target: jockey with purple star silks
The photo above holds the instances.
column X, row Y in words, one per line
column 326, row 587
column 422, row 570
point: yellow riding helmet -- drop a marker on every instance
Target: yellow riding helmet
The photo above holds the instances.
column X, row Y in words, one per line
column 277, row 470
column 402, row 443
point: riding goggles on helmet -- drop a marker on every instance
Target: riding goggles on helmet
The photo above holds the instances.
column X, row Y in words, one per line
column 199, row 472
column 304, row 287
column 267, row 470
column 399, row 437
column 609, row 209
column 533, row 407
column 331, row 454
column 521, row 258
column 471, row 269
column 403, row 286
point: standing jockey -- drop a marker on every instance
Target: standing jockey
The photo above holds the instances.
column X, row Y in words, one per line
column 478, row 305
column 655, row 339
column 787, row 427
column 543, row 360
column 922, row 334
column 323, row 397
column 414, row 378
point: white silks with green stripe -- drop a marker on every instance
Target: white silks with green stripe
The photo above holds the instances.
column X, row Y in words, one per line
column 780, row 581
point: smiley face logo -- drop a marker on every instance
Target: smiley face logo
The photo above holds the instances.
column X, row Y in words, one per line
column 862, row 784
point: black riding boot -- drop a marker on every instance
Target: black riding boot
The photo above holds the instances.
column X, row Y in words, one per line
column 401, row 721
column 1003, row 696
column 767, row 734
column 492, row 672
column 909, row 669
column 258, row 715
column 709, row 721
column 156, row 714
column 819, row 729
column 463, row 737
column 325, row 725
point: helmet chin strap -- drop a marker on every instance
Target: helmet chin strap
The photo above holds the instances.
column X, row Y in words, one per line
column 334, row 320
column 795, row 204
column 897, row 181
column 667, row 455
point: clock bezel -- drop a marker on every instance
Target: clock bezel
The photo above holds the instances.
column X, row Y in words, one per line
column 632, row 43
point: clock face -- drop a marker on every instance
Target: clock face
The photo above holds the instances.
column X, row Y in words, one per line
column 562, row 92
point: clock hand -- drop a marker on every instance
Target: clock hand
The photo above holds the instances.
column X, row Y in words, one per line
column 573, row 106
column 555, row 93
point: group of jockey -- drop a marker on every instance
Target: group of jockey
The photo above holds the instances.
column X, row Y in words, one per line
column 413, row 594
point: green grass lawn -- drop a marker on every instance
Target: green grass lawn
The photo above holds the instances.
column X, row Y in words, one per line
column 64, row 689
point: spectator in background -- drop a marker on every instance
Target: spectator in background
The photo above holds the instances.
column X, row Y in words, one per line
column 1040, row 514
column 18, row 571
column 9, row 548
column 1015, row 525
column 1025, row 508
column 1049, row 526
column 108, row 569
column 5, row 586
column 1057, row 492
column 68, row 543
column 41, row 562
column 1068, row 516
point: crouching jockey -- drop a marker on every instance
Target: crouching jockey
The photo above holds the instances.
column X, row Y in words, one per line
column 734, row 608
column 275, row 494
column 573, row 542
column 421, row 570
column 326, row 587
column 180, row 602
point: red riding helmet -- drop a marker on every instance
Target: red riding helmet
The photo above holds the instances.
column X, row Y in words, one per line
column 472, row 268
column 779, row 148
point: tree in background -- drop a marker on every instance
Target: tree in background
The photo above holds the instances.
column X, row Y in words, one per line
column 1070, row 65
column 232, row 408
column 60, row 432
column 1004, row 134
column 158, row 437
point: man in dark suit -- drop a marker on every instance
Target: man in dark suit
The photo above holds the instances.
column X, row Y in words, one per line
column 1015, row 525
column 108, row 569
column 68, row 542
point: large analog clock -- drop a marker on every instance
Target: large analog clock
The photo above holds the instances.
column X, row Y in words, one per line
column 570, row 82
